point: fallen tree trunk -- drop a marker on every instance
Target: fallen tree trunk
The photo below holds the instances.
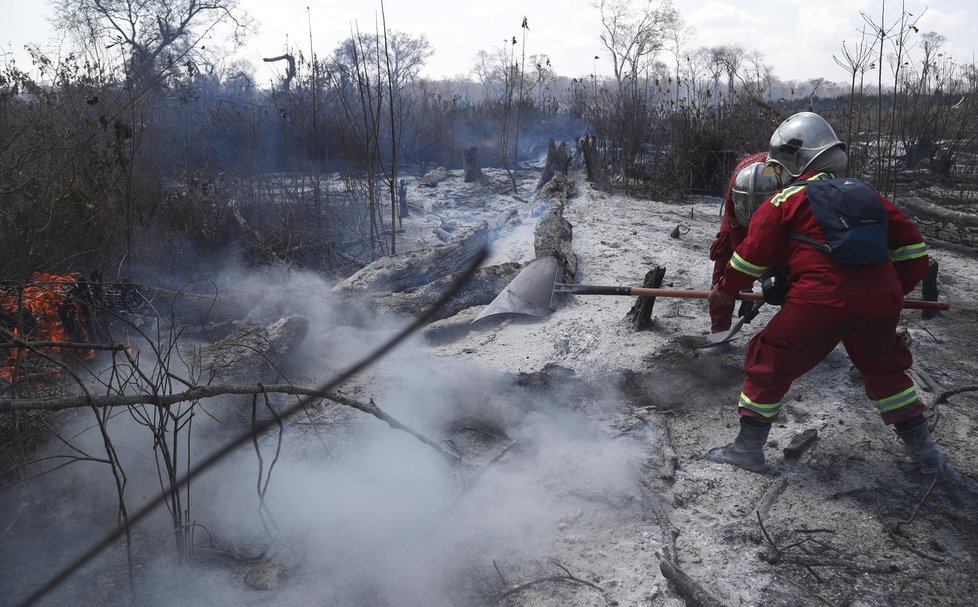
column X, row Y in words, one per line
column 692, row 592
column 417, row 268
column 433, row 178
column 481, row 289
column 935, row 221
column 252, row 352
column 553, row 233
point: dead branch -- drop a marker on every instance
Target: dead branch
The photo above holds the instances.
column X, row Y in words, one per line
column 946, row 394
column 201, row 392
column 818, row 561
column 777, row 551
column 160, row 400
column 376, row 411
column 770, row 497
column 692, row 592
column 925, row 379
column 899, row 541
column 567, row 577
column 68, row 345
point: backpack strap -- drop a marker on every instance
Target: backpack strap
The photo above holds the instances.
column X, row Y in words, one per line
column 821, row 246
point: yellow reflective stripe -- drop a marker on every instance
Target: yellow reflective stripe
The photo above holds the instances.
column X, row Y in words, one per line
column 913, row 251
column 783, row 194
column 788, row 191
column 739, row 263
column 897, row 400
column 765, row 410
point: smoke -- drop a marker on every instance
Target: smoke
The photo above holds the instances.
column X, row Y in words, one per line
column 354, row 512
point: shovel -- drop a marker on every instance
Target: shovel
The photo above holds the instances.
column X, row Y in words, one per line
column 536, row 289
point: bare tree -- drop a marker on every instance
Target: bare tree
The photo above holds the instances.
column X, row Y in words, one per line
column 678, row 36
column 150, row 29
column 932, row 43
column 856, row 61
column 634, row 36
column 730, row 57
column 712, row 62
column 896, row 35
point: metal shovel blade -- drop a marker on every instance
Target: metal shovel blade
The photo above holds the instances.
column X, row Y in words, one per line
column 718, row 339
column 530, row 293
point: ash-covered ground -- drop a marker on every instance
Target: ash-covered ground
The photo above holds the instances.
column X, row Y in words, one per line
column 582, row 443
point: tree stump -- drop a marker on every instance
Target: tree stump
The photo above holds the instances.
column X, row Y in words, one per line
column 470, row 165
column 558, row 161
column 641, row 312
column 592, row 160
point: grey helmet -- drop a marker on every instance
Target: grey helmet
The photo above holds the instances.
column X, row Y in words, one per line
column 799, row 140
column 751, row 187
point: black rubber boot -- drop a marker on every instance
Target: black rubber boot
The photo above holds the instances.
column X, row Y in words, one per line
column 747, row 450
column 921, row 446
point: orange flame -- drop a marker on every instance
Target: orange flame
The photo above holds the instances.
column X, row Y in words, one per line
column 44, row 310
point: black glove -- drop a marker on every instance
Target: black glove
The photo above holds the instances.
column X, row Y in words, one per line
column 775, row 289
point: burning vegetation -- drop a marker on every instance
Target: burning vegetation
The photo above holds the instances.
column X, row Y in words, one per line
column 46, row 324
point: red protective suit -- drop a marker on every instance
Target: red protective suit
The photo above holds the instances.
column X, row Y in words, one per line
column 827, row 303
column 730, row 235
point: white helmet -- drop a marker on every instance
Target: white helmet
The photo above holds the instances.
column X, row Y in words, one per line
column 752, row 187
column 799, row 140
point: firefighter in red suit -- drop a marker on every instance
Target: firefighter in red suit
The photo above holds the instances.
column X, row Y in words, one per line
column 732, row 233
column 827, row 302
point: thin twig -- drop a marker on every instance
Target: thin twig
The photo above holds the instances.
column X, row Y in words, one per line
column 899, row 541
column 777, row 551
column 567, row 577
column 502, row 577
column 899, row 524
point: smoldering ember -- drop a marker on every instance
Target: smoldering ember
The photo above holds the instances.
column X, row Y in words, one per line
column 357, row 337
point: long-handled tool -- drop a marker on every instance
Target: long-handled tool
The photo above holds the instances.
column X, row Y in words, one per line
column 536, row 289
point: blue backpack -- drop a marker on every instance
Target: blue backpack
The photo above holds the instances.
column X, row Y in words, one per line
column 853, row 218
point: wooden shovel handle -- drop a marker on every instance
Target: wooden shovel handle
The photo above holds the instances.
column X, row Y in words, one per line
column 914, row 304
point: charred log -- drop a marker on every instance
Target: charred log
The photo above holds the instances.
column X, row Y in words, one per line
column 433, row 178
column 253, row 352
column 553, row 233
column 938, row 222
column 481, row 289
column 417, row 268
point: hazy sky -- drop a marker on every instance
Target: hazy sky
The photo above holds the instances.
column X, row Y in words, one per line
column 796, row 37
